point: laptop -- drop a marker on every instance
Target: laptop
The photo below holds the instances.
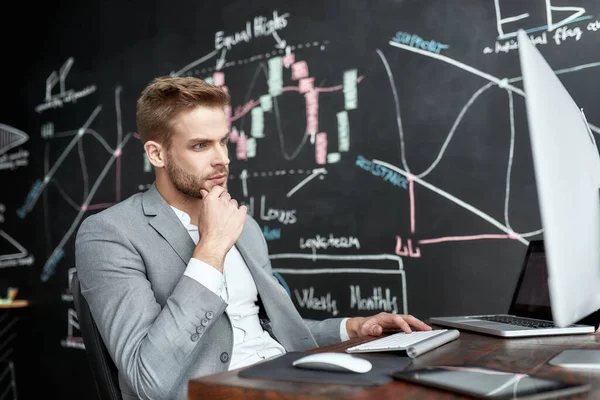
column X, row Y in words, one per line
column 529, row 313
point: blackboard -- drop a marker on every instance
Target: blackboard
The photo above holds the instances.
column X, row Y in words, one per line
column 381, row 145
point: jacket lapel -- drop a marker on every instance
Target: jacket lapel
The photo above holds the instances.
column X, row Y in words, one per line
column 163, row 219
column 288, row 326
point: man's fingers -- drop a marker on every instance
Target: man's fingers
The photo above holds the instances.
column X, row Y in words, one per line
column 225, row 196
column 376, row 324
column 217, row 190
column 203, row 193
column 417, row 323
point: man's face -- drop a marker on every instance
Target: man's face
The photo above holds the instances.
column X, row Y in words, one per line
column 197, row 158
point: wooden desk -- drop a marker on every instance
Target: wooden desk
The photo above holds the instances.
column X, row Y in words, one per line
column 527, row 355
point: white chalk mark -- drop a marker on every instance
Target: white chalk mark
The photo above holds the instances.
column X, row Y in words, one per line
column 316, row 172
column 456, row 200
column 458, row 64
column 195, row 63
column 397, row 106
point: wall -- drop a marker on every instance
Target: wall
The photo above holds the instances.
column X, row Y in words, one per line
column 381, row 145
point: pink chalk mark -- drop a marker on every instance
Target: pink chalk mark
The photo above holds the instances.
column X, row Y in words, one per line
column 97, row 206
column 466, row 238
column 136, row 135
column 234, row 136
column 321, row 148
column 288, row 60
column 227, row 110
column 290, row 88
column 118, row 177
column 406, row 250
column 337, row 87
column 225, row 88
column 299, row 70
column 312, row 112
column 241, row 149
column 329, row 89
column 218, row 78
column 411, row 191
column 306, row 85
column 240, row 111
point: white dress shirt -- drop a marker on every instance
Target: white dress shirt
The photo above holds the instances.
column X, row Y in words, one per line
column 251, row 343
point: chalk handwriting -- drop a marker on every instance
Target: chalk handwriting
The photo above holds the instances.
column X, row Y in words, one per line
column 502, row 20
column 284, row 216
column 377, row 301
column 258, row 27
column 322, row 242
column 271, row 234
column 14, row 160
column 379, row 170
column 320, row 303
column 563, row 33
column 418, row 42
column 407, row 249
column 593, row 26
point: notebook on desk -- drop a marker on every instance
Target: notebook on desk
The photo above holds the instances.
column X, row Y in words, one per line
column 529, row 313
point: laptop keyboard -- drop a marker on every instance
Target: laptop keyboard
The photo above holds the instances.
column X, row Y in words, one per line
column 518, row 321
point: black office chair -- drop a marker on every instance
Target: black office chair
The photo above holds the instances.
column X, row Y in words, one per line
column 104, row 370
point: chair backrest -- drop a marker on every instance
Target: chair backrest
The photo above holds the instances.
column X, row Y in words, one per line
column 104, row 371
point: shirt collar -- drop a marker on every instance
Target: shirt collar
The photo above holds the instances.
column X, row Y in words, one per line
column 184, row 218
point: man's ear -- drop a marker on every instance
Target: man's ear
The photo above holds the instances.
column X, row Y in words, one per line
column 155, row 153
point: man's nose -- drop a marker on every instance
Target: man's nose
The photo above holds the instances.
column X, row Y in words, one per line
column 221, row 155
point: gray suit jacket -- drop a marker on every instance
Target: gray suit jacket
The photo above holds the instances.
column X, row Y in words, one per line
column 163, row 328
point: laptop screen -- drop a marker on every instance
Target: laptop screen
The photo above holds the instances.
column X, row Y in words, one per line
column 532, row 298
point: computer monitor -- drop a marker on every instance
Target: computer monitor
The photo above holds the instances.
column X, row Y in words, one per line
column 567, row 171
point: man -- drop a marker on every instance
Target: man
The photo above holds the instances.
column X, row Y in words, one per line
column 178, row 278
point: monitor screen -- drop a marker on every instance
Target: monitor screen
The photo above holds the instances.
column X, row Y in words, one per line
column 532, row 298
column 567, row 172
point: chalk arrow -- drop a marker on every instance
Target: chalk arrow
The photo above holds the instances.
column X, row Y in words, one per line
column 194, row 64
column 244, row 178
column 221, row 60
column 280, row 43
column 315, row 172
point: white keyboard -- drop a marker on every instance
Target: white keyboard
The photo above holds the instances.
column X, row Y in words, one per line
column 397, row 341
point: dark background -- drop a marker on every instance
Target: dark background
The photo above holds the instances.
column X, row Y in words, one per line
column 118, row 47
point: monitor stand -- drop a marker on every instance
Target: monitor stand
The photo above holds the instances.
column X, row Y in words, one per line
column 578, row 359
column 581, row 358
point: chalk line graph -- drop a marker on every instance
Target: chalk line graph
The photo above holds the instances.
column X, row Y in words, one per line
column 38, row 189
column 11, row 137
column 506, row 84
column 269, row 102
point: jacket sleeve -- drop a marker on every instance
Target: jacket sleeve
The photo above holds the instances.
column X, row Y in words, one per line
column 149, row 345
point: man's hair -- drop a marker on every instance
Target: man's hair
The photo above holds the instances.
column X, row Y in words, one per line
column 165, row 97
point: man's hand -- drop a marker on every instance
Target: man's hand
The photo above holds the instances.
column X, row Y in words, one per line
column 376, row 324
column 220, row 224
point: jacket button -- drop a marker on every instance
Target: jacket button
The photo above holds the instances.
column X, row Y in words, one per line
column 204, row 322
column 195, row 337
column 224, row 357
column 210, row 314
column 199, row 329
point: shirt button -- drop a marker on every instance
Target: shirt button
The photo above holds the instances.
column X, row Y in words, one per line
column 195, row 337
column 199, row 329
column 204, row 322
column 210, row 314
column 224, row 357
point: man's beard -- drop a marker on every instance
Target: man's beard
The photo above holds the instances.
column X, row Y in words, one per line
column 187, row 183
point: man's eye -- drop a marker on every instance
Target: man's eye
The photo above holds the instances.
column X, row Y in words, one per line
column 199, row 145
column 224, row 141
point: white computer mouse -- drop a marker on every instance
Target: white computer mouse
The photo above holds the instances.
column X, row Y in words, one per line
column 337, row 362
